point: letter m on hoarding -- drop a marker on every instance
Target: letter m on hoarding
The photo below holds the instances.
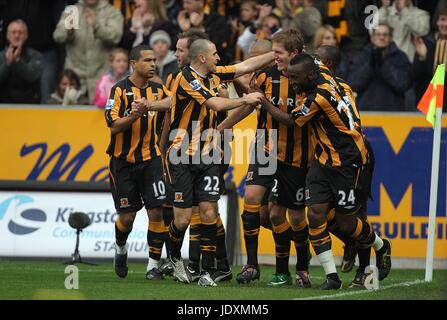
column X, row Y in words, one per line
column 57, row 162
column 411, row 165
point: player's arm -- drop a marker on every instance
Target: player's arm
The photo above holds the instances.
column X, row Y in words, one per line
column 124, row 123
column 307, row 111
column 165, row 131
column 252, row 64
column 225, row 104
column 277, row 114
column 234, row 117
column 159, row 105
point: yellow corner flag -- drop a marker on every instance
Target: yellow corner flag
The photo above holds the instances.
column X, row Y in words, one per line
column 434, row 96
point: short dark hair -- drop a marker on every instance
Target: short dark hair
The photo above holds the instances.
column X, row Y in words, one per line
column 306, row 60
column 331, row 53
column 135, row 53
column 192, row 35
column 72, row 76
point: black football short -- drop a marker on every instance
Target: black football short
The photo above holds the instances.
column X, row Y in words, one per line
column 135, row 184
column 260, row 174
column 338, row 186
column 288, row 186
column 193, row 183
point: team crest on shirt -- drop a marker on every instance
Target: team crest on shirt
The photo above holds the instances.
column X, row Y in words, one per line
column 124, row 203
column 109, row 104
column 195, row 85
column 304, row 109
column 178, row 197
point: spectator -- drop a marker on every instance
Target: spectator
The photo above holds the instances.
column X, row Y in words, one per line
column 20, row 67
column 349, row 18
column 247, row 16
column 88, row 44
column 173, row 7
column 166, row 62
column 381, row 73
column 215, row 25
column 148, row 17
column 299, row 14
column 41, row 18
column 325, row 36
column 68, row 91
column 119, row 67
column 407, row 21
column 430, row 52
column 264, row 27
column 126, row 7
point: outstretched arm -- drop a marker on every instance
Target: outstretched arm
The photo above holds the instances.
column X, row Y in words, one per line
column 255, row 63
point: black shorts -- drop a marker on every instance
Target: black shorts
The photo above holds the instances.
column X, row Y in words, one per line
column 338, row 186
column 133, row 184
column 193, row 183
column 256, row 176
column 288, row 186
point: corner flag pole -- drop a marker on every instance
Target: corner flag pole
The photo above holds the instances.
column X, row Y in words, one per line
column 433, row 196
column 431, row 105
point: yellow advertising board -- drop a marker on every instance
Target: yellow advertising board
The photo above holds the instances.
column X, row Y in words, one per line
column 69, row 145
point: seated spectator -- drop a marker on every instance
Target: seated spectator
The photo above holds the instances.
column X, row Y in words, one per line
column 68, row 91
column 88, row 45
column 166, row 62
column 325, row 36
column 215, row 25
column 20, row 67
column 119, row 67
column 381, row 73
column 430, row 52
column 407, row 21
column 147, row 17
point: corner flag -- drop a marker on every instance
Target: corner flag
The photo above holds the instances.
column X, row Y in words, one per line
column 434, row 96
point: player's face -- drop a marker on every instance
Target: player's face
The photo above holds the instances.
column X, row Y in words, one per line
column 145, row 66
column 282, row 56
column 181, row 52
column 298, row 79
column 441, row 23
column 211, row 58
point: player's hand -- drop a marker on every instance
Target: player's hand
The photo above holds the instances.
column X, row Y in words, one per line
column 253, row 99
column 139, row 108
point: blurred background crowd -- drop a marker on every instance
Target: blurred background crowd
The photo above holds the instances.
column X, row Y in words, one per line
column 72, row 52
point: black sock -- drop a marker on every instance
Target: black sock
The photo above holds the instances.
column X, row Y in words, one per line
column 155, row 239
column 300, row 236
column 195, row 228
column 168, row 216
column 176, row 239
column 251, row 223
column 121, row 233
column 221, row 250
column 282, row 235
column 364, row 257
column 208, row 245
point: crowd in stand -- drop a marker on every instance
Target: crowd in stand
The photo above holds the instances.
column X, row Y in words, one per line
column 72, row 52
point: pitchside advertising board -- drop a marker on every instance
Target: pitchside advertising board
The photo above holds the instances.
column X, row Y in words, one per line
column 35, row 224
column 70, row 144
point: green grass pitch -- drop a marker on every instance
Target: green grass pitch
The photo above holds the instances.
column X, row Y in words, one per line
column 45, row 280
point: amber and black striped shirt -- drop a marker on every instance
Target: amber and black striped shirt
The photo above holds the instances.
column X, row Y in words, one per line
column 139, row 142
column 294, row 144
column 335, row 122
column 190, row 92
